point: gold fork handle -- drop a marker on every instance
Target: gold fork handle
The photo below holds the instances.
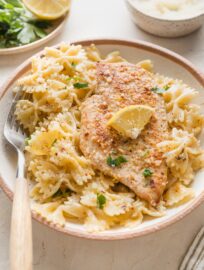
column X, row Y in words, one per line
column 21, row 229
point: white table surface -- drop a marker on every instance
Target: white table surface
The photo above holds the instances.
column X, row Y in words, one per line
column 55, row 251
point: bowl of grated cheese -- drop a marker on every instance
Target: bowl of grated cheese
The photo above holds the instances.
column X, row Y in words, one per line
column 167, row 18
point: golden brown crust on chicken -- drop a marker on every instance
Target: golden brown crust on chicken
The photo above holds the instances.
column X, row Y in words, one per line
column 121, row 85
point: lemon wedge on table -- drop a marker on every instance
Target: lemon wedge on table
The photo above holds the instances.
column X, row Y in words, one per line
column 131, row 120
column 48, row 9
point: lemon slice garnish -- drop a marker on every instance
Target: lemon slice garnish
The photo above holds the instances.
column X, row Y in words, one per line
column 131, row 120
column 48, row 9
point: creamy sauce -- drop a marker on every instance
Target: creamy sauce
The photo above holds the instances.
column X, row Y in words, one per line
column 170, row 9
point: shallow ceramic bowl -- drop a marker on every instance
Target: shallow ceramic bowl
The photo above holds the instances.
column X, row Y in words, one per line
column 164, row 27
column 165, row 62
column 57, row 27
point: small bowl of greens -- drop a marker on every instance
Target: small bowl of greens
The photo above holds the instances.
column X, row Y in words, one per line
column 21, row 30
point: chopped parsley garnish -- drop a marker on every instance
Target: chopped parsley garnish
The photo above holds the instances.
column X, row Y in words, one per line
column 61, row 193
column 27, row 140
column 77, row 78
column 166, row 87
column 79, row 85
column 73, row 64
column 101, row 200
column 55, row 140
column 116, row 162
column 147, row 172
column 57, row 193
column 158, row 90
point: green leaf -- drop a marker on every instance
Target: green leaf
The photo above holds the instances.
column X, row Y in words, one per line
column 2, row 43
column 62, row 193
column 2, row 3
column 15, row 27
column 41, row 24
column 116, row 162
column 166, row 87
column 27, row 140
column 15, row 3
column 57, row 193
column 9, row 6
column 19, row 26
column 40, row 32
column 73, row 64
column 11, row 43
column 4, row 27
column 69, row 79
column 101, row 200
column 147, row 172
column 79, row 85
column 27, row 35
column 77, row 78
column 5, row 17
column 158, row 90
column 110, row 161
column 55, row 140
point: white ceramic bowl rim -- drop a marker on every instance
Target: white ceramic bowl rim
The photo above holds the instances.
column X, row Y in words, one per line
column 115, row 235
column 188, row 18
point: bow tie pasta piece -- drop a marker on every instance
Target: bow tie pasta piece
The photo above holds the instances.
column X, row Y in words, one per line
column 178, row 194
column 26, row 113
column 183, row 154
column 41, row 142
column 65, row 155
column 47, row 177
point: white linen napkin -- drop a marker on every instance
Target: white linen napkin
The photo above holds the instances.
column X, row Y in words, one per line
column 194, row 259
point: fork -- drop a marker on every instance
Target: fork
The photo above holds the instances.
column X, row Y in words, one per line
column 21, row 226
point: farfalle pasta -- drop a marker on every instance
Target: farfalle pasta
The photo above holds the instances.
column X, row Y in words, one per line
column 181, row 113
column 65, row 187
column 183, row 154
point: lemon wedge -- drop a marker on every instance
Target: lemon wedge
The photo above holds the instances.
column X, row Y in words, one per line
column 48, row 9
column 131, row 120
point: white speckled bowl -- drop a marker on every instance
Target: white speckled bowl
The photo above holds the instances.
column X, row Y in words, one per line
column 164, row 27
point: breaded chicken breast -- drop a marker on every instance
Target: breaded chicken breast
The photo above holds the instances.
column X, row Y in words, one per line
column 144, row 170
